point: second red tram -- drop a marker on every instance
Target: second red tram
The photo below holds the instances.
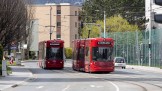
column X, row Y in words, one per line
column 51, row 54
column 93, row 55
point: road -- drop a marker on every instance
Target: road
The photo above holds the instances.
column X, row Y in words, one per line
column 68, row 80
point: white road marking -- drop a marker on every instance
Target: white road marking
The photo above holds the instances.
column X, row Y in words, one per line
column 100, row 86
column 92, row 86
column 96, row 86
column 39, row 87
column 117, row 88
column 67, row 87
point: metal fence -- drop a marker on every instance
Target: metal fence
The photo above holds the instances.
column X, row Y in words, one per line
column 134, row 47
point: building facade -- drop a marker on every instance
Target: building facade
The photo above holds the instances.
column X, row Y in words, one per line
column 58, row 20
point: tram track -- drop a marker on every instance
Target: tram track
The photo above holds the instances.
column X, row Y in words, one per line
column 104, row 79
column 139, row 84
column 130, row 82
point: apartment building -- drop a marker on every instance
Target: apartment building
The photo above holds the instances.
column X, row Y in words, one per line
column 58, row 20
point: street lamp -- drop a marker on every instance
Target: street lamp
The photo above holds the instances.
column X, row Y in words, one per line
column 150, row 28
column 104, row 22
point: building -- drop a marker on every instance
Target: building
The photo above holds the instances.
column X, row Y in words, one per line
column 58, row 20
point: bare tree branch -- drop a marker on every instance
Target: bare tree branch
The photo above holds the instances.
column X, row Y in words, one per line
column 15, row 17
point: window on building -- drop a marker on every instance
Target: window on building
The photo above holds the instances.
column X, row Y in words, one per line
column 75, row 13
column 58, row 12
column 75, row 36
column 58, row 24
column 58, row 36
column 78, row 24
column 75, row 24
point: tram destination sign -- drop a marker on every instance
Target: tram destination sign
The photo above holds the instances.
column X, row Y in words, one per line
column 54, row 44
column 103, row 43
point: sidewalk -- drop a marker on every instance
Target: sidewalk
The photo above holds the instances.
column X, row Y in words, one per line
column 18, row 76
column 145, row 68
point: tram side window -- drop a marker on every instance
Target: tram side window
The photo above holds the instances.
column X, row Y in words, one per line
column 75, row 54
column 87, row 54
column 42, row 52
column 87, row 51
column 81, row 54
column 110, row 53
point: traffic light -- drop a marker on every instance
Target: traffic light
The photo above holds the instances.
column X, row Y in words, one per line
column 158, row 17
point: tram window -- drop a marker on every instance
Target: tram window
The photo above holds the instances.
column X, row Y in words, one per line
column 102, row 53
column 87, row 51
column 55, row 53
column 81, row 54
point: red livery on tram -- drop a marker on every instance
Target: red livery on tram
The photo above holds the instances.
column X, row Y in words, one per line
column 51, row 54
column 93, row 55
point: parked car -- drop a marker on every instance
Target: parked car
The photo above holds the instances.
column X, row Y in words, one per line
column 120, row 62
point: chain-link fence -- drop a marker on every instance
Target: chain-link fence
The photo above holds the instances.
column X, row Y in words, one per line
column 134, row 47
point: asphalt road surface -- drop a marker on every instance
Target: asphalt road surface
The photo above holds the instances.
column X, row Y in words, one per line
column 68, row 80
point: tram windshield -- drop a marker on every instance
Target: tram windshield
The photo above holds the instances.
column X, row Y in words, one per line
column 54, row 53
column 102, row 53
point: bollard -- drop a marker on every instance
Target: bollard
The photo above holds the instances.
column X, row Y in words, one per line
column 18, row 62
column 4, row 68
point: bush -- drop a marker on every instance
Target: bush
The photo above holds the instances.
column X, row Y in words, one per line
column 68, row 53
column 32, row 55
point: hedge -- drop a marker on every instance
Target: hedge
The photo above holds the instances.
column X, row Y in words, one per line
column 68, row 53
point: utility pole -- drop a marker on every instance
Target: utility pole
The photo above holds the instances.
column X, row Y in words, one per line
column 50, row 22
column 104, row 24
column 150, row 28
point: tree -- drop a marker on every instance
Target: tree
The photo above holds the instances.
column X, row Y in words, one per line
column 132, row 10
column 94, row 31
column 1, row 54
column 113, row 24
column 15, row 16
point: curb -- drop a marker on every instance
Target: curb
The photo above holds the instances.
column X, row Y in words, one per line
column 146, row 68
column 18, row 83
column 21, row 82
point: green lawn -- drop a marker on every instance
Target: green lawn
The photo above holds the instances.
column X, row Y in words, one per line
column 8, row 63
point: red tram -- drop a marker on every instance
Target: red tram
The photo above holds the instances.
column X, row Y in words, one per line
column 93, row 55
column 51, row 54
